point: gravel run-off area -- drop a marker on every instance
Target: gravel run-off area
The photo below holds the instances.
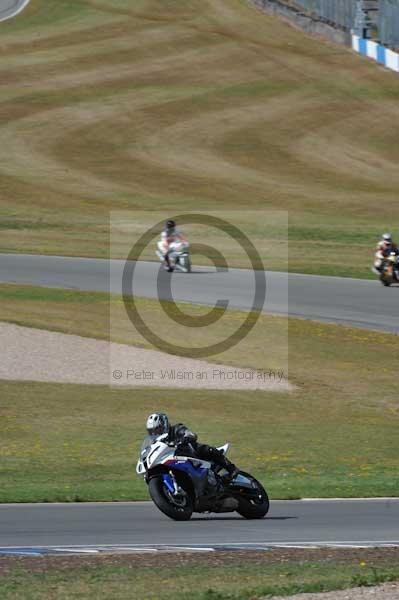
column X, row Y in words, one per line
column 386, row 591
column 39, row 355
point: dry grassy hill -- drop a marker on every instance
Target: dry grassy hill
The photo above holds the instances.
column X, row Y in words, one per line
column 115, row 104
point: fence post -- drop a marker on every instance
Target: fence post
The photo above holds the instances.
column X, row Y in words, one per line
column 363, row 25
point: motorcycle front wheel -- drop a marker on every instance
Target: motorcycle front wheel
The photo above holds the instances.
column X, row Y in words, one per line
column 178, row 508
column 387, row 276
column 188, row 264
column 254, row 506
column 185, row 262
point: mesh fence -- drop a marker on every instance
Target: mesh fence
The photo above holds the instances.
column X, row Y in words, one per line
column 389, row 22
column 339, row 12
column 343, row 13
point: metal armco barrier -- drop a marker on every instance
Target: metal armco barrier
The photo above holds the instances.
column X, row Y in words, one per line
column 380, row 53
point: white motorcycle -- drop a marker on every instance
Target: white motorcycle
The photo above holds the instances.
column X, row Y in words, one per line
column 180, row 485
column 179, row 256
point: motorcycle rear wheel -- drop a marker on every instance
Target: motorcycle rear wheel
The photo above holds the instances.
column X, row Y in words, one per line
column 188, row 264
column 387, row 276
column 159, row 495
column 385, row 282
column 249, row 509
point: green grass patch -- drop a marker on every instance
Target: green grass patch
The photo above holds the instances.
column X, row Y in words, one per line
column 79, row 443
column 173, row 106
column 335, row 435
column 191, row 581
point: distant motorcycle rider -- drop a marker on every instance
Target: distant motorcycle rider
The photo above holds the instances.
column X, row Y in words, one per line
column 384, row 248
column 158, row 424
column 169, row 236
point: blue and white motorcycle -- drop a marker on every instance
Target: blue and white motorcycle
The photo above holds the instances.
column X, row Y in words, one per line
column 180, row 485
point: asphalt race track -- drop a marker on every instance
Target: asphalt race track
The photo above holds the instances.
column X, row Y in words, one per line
column 139, row 525
column 354, row 302
column 41, row 528
column 91, row 527
column 11, row 8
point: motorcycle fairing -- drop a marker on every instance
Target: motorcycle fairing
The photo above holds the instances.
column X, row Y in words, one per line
column 194, row 468
column 241, row 480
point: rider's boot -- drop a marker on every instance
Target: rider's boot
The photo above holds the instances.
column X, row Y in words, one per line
column 167, row 264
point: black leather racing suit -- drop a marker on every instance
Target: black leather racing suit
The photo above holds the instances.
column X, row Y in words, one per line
column 180, row 434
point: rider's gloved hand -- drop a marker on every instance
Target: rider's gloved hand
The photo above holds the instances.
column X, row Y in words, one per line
column 189, row 436
column 232, row 470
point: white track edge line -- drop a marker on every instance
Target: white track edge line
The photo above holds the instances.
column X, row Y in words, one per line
column 17, row 11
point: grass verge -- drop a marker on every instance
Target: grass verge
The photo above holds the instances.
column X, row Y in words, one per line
column 250, row 575
column 335, row 435
column 207, row 105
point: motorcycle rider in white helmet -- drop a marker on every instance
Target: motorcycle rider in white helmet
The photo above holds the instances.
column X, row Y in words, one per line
column 169, row 236
column 384, row 248
column 179, row 434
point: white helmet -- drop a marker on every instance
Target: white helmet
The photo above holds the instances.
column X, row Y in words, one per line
column 157, row 423
column 387, row 237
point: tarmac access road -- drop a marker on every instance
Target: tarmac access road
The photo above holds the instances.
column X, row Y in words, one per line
column 124, row 525
column 11, row 8
column 354, row 302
